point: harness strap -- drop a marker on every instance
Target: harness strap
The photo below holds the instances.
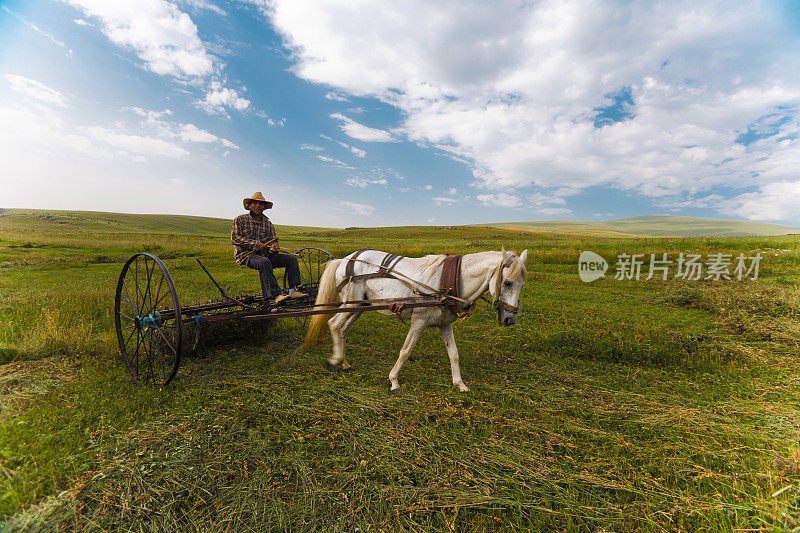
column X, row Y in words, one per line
column 349, row 269
column 389, row 262
column 451, row 270
column 351, row 263
column 448, row 286
column 448, row 289
column 399, row 276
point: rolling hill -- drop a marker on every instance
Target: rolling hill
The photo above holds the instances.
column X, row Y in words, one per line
column 654, row 226
column 643, row 226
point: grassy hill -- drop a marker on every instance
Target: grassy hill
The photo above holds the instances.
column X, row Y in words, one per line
column 655, row 226
column 644, row 226
column 97, row 221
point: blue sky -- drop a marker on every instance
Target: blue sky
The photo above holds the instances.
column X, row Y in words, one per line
column 387, row 113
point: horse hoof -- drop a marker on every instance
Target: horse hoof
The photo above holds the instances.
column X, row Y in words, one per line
column 337, row 368
column 394, row 391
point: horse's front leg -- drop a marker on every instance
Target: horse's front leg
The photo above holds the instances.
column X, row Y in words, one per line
column 414, row 332
column 452, row 352
column 339, row 325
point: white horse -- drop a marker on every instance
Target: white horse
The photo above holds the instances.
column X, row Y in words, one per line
column 502, row 274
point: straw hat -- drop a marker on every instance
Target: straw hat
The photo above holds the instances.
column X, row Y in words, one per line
column 259, row 197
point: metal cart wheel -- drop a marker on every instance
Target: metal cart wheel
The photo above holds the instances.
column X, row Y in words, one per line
column 147, row 314
column 312, row 262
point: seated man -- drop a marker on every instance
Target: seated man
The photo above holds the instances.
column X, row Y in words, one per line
column 256, row 245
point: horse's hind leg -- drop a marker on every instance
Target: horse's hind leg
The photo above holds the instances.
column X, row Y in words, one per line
column 452, row 352
column 339, row 325
column 414, row 333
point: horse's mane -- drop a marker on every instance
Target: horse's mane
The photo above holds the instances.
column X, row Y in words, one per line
column 430, row 262
column 517, row 267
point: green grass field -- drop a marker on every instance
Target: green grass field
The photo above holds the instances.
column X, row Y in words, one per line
column 610, row 406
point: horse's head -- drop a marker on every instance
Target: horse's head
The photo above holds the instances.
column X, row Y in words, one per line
column 505, row 286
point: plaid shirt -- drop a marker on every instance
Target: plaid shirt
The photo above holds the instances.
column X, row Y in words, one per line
column 247, row 234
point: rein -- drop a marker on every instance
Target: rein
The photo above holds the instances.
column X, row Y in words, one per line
column 280, row 250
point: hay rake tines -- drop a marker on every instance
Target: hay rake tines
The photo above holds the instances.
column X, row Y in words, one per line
column 149, row 318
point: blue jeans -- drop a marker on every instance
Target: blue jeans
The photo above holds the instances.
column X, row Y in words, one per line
column 265, row 264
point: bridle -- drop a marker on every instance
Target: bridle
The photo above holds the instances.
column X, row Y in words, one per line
column 497, row 303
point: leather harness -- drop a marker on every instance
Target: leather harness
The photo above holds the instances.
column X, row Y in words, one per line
column 448, row 285
column 384, row 270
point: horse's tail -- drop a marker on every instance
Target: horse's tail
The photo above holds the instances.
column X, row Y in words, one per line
column 326, row 296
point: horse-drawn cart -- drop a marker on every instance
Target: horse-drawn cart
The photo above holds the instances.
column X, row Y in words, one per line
column 150, row 320
column 151, row 323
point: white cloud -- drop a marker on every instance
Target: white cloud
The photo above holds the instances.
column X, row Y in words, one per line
column 81, row 22
column 218, row 98
column 191, row 133
column 554, row 212
column 336, row 97
column 228, row 144
column 136, row 144
column 358, row 152
column 37, row 130
column 312, row 147
column 358, row 131
column 539, row 200
column 515, row 89
column 36, row 90
column 358, row 209
column 155, row 123
column 47, row 35
column 442, row 200
column 777, row 201
column 500, row 200
column 204, row 5
column 270, row 120
column 160, row 34
column 333, row 161
column 428, row 187
column 166, row 39
column 148, row 113
column 364, row 182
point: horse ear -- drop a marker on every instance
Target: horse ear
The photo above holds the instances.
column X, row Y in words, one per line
column 505, row 254
column 523, row 257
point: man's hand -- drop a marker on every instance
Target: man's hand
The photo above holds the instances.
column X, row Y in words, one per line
column 274, row 247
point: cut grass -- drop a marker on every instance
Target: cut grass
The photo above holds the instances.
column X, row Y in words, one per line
column 610, row 406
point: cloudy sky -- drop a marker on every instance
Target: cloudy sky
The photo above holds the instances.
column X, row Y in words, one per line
column 382, row 112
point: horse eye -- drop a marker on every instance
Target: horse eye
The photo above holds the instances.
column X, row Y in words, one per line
column 507, row 283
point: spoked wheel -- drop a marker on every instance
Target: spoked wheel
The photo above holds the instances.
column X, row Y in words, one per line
column 148, row 319
column 312, row 263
